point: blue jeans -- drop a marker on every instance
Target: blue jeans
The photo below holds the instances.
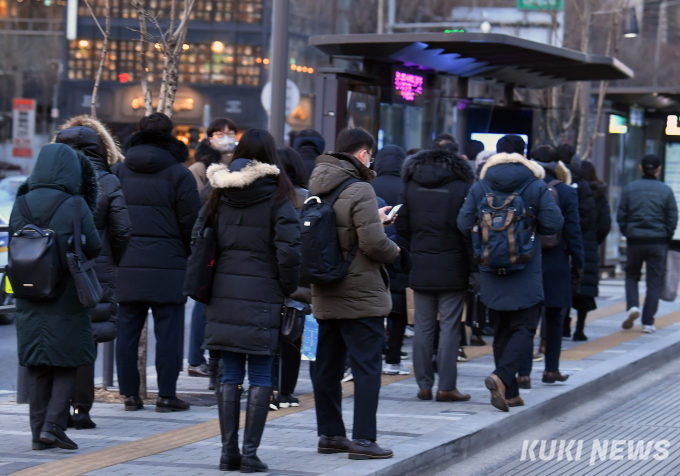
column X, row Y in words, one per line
column 259, row 369
column 197, row 335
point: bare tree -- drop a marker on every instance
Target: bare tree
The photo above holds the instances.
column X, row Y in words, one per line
column 105, row 47
column 143, row 60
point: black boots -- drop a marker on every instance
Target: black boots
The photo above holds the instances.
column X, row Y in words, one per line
column 52, row 434
column 256, row 416
column 81, row 420
column 229, row 410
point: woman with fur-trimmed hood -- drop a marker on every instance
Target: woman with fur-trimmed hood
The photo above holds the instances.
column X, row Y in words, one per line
column 258, row 266
column 54, row 337
column 93, row 142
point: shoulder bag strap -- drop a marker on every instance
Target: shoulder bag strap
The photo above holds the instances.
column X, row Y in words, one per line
column 76, row 226
column 23, row 207
column 53, row 208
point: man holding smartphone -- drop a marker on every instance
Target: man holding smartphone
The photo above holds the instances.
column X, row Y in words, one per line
column 436, row 184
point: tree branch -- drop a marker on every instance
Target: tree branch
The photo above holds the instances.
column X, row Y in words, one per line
column 105, row 47
column 95, row 18
column 141, row 16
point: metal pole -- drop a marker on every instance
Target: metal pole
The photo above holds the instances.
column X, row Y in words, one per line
column 391, row 14
column 107, row 374
column 381, row 5
column 22, row 385
column 279, row 68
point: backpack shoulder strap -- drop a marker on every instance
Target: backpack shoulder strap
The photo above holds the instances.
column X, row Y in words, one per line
column 333, row 196
column 23, row 207
column 76, row 226
column 53, row 208
column 552, row 183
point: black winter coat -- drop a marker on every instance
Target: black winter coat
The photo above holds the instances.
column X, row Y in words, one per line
column 436, row 184
column 163, row 204
column 309, row 144
column 586, row 201
column 592, row 239
column 58, row 333
column 258, row 259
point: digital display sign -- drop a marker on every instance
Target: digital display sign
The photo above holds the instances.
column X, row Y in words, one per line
column 617, row 124
column 408, row 86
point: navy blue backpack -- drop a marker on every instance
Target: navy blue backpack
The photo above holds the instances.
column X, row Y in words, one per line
column 503, row 234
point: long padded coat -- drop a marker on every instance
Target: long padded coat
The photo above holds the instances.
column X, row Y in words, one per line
column 258, row 259
column 89, row 136
column 163, row 204
column 58, row 333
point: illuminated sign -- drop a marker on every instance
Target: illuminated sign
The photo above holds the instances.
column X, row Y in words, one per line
column 409, row 86
column 617, row 124
column 672, row 128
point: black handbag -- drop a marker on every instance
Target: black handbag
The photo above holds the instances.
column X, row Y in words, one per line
column 201, row 264
column 293, row 320
column 84, row 275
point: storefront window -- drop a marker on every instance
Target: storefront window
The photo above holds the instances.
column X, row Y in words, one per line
column 216, row 62
column 244, row 11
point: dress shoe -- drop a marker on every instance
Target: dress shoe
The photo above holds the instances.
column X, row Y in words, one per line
column 515, row 402
column 477, row 340
column 82, row 420
column 497, row 389
column 368, row 449
column 451, row 396
column 167, row 405
column 52, row 434
column 524, row 382
column 133, row 403
column 425, row 394
column 552, row 377
column 199, row 370
column 333, row 444
column 38, row 445
column 541, row 346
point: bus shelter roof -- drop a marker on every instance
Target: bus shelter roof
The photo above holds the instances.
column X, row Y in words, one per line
column 503, row 58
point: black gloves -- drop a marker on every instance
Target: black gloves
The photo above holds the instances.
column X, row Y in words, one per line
column 576, row 276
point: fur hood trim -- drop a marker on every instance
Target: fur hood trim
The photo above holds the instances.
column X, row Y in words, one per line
column 453, row 162
column 563, row 173
column 113, row 151
column 505, row 158
column 220, row 176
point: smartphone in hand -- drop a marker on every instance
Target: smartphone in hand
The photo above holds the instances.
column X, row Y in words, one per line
column 392, row 214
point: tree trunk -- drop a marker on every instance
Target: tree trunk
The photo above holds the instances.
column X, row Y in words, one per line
column 98, row 78
column 148, row 98
column 141, row 360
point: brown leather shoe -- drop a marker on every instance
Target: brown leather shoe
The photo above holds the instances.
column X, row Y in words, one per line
column 524, row 382
column 477, row 340
column 451, row 396
column 515, row 402
column 541, row 346
column 367, row 449
column 333, row 444
column 198, row 370
column 497, row 389
column 552, row 377
column 425, row 394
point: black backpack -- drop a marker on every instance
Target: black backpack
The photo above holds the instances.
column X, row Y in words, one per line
column 551, row 241
column 322, row 260
column 35, row 270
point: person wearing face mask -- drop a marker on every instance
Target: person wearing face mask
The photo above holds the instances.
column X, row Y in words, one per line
column 217, row 147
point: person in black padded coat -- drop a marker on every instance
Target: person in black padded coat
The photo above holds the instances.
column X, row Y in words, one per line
column 258, row 265
column 89, row 137
column 163, row 203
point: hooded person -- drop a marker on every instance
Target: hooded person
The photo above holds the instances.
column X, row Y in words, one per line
column 562, row 264
column 309, row 144
column 436, row 182
column 89, row 137
column 586, row 200
column 513, row 299
column 163, row 203
column 55, row 337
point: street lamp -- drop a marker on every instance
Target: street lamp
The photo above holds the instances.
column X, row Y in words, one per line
column 630, row 24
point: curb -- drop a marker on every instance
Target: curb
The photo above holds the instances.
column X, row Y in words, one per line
column 433, row 452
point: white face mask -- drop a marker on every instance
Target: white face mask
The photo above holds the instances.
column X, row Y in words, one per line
column 225, row 143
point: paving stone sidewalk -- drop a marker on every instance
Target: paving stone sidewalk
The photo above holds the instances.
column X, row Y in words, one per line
column 405, row 424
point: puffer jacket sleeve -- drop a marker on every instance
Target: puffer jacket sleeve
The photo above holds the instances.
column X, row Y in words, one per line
column 671, row 214
column 373, row 241
column 93, row 244
column 187, row 207
column 119, row 229
column 604, row 219
column 622, row 212
column 550, row 219
column 468, row 212
column 403, row 222
column 287, row 242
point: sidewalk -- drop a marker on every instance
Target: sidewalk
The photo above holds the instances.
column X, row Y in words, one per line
column 422, row 434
